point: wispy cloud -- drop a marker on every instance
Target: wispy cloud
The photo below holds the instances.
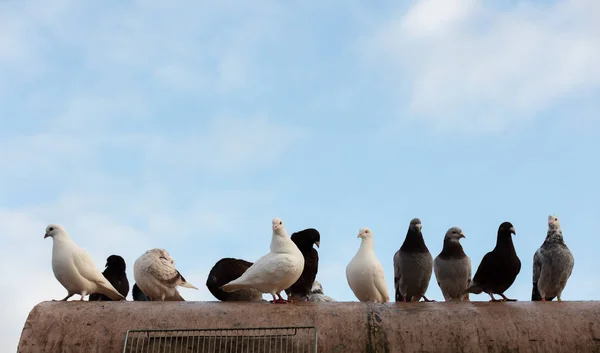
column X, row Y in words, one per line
column 471, row 66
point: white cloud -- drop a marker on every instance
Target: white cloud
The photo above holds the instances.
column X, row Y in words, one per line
column 469, row 66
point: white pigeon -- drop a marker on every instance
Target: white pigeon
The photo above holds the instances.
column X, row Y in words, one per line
column 364, row 272
column 155, row 274
column 74, row 268
column 275, row 271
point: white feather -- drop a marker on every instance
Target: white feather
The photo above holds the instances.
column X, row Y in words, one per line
column 74, row 268
column 275, row 271
column 365, row 273
column 157, row 277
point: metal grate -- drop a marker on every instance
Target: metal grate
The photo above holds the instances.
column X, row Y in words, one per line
column 241, row 340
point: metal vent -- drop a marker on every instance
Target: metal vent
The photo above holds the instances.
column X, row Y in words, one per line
column 240, row 340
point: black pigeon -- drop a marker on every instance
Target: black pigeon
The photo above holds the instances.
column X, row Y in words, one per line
column 115, row 274
column 225, row 271
column 498, row 268
column 138, row 295
column 304, row 240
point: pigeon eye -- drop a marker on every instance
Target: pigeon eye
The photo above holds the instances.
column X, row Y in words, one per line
column 51, row 229
column 556, row 219
column 280, row 222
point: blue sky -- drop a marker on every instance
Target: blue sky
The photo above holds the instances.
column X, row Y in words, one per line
column 190, row 125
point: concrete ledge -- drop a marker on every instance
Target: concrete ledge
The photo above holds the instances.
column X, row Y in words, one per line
column 342, row 326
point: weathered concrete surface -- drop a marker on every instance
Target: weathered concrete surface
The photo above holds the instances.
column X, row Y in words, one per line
column 342, row 326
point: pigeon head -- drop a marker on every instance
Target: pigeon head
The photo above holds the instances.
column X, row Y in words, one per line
column 316, row 288
column 454, row 234
column 305, row 239
column 115, row 262
column 415, row 225
column 54, row 231
column 553, row 223
column 365, row 233
column 161, row 254
column 506, row 228
column 278, row 227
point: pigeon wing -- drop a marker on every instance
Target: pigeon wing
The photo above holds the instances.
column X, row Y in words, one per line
column 379, row 281
column 87, row 269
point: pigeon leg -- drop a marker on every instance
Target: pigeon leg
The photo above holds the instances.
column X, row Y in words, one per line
column 494, row 299
column 558, row 298
column 543, row 299
column 510, row 300
column 65, row 298
column 279, row 299
column 427, row 300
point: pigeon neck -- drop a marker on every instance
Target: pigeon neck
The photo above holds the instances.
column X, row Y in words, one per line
column 367, row 244
column 505, row 241
column 452, row 249
column 554, row 236
column 414, row 242
column 61, row 239
column 278, row 244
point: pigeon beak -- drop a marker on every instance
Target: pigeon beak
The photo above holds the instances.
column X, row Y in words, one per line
column 462, row 235
column 46, row 235
column 419, row 226
column 318, row 243
column 513, row 231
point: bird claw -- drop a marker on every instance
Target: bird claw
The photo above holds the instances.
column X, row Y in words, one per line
column 279, row 301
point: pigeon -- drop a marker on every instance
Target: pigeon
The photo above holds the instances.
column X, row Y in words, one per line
column 498, row 268
column 138, row 295
column 155, row 274
column 225, row 271
column 275, row 271
column 365, row 274
column 413, row 265
column 74, row 268
column 304, row 240
column 452, row 267
column 316, row 294
column 552, row 264
column 115, row 274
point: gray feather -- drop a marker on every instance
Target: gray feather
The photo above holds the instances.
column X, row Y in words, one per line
column 414, row 270
column 453, row 276
column 552, row 263
column 452, row 267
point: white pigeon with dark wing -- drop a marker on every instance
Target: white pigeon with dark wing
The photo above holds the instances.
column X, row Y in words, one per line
column 317, row 295
column 452, row 267
column 365, row 274
column 156, row 276
column 275, row 271
column 552, row 264
column 74, row 268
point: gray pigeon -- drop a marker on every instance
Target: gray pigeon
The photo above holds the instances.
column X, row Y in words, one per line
column 316, row 293
column 552, row 264
column 452, row 267
column 413, row 265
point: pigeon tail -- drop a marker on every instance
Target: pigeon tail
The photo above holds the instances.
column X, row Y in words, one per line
column 473, row 288
column 109, row 291
column 187, row 285
column 232, row 287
